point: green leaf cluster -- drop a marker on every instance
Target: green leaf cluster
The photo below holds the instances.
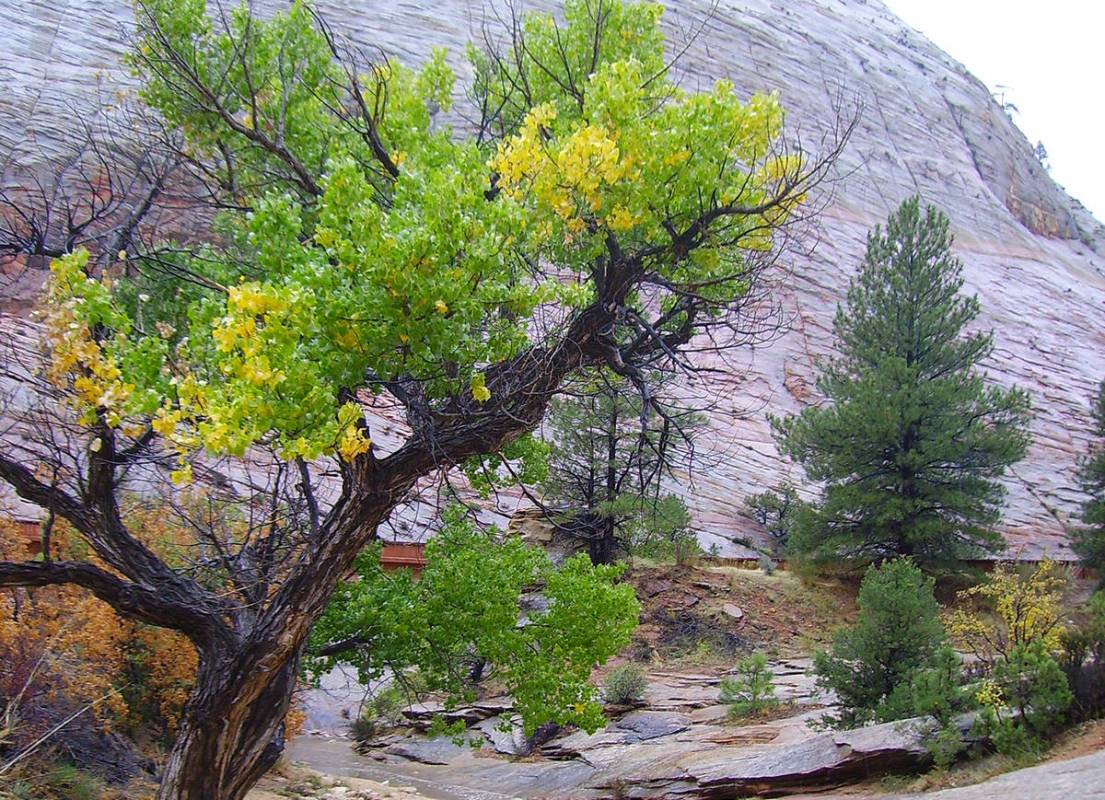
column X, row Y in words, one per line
column 465, row 616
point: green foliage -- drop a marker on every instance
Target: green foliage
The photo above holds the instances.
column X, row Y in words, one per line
column 357, row 249
column 914, row 443
column 776, row 511
column 462, row 617
column 605, row 472
column 874, row 663
column 946, row 746
column 625, row 685
column 661, row 530
column 1089, row 540
column 752, row 690
column 73, row 784
column 1082, row 659
column 383, row 710
column 1025, row 700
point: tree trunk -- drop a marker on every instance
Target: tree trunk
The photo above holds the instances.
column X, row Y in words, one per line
column 232, row 732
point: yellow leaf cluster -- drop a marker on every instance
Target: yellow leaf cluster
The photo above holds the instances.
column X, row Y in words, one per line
column 480, row 392
column 569, row 175
column 1011, row 608
column 77, row 361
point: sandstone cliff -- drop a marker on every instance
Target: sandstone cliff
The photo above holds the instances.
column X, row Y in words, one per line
column 1035, row 257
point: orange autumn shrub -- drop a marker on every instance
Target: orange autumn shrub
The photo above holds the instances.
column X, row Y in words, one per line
column 62, row 650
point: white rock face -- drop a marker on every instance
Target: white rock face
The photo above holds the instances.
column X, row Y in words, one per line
column 1034, row 256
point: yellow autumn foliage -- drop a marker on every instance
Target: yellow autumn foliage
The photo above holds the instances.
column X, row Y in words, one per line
column 1011, row 608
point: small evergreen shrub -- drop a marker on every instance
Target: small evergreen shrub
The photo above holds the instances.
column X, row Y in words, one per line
column 1025, row 700
column 935, row 690
column 625, row 685
column 874, row 663
column 946, row 746
column 752, row 690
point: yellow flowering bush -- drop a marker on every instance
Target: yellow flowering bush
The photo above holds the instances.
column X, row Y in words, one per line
column 1010, row 609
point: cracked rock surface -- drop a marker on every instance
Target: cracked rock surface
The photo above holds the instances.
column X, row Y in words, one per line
column 1034, row 256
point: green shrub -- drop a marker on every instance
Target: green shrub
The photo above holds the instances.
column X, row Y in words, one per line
column 874, row 662
column 1083, row 660
column 625, row 685
column 384, row 709
column 1024, row 701
column 946, row 746
column 935, row 690
column 364, row 728
column 752, row 691
column 73, row 784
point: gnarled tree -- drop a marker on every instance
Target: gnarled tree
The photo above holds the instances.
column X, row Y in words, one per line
column 599, row 216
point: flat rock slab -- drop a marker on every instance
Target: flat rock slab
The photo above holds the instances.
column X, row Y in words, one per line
column 644, row 725
column 426, row 751
column 1081, row 778
column 828, row 759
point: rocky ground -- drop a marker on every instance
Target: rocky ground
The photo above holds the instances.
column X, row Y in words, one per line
column 681, row 745
column 680, row 742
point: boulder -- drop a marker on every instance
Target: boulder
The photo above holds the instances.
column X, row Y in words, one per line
column 506, row 736
column 732, row 611
column 824, row 760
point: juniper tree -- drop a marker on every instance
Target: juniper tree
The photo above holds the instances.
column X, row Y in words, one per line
column 1089, row 540
column 914, row 440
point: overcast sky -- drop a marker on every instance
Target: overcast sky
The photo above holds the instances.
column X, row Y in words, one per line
column 1048, row 59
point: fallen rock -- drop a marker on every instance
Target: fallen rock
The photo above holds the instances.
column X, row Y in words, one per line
column 510, row 741
column 732, row 611
column 650, row 587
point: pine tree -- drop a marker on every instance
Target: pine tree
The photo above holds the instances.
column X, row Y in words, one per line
column 1089, row 541
column 874, row 663
column 606, row 470
column 914, row 441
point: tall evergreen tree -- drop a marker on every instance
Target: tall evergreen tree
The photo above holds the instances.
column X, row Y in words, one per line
column 1089, row 540
column 914, row 441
